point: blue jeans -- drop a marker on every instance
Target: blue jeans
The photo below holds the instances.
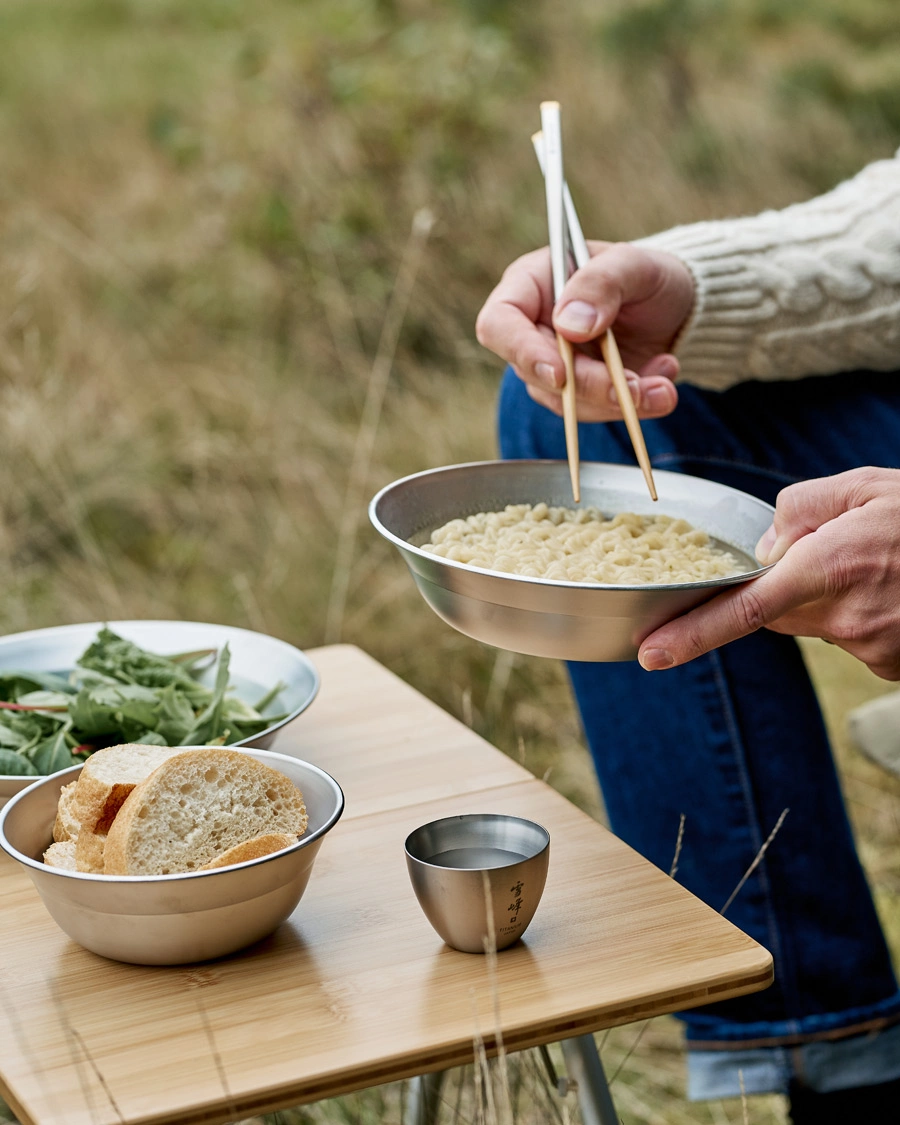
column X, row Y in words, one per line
column 735, row 737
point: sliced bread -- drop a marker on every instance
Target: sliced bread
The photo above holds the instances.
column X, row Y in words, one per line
column 89, row 848
column 108, row 776
column 67, row 825
column 196, row 806
column 61, row 854
column 256, row 848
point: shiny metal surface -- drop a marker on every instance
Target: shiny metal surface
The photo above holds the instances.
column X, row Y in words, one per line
column 454, row 898
column 257, row 663
column 540, row 617
column 171, row 919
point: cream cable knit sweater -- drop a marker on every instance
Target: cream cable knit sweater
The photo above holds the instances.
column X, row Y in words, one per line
column 810, row 290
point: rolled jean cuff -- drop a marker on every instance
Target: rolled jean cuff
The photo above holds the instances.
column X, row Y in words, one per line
column 861, row 1060
column 710, row 1033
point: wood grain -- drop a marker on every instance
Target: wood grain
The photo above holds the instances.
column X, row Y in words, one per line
column 356, row 989
column 570, row 416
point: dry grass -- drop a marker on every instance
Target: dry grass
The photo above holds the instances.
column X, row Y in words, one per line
column 204, row 212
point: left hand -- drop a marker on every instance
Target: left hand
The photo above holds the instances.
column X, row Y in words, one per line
column 837, row 544
column 645, row 295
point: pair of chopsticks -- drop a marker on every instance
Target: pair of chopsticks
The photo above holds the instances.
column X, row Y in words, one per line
column 565, row 235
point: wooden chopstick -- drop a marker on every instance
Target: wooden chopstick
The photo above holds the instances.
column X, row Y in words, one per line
column 608, row 346
column 559, row 257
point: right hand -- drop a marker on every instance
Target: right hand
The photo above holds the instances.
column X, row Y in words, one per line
column 644, row 295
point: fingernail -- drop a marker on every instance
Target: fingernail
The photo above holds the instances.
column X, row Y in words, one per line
column 634, row 387
column 655, row 659
column 657, row 398
column 576, row 316
column 546, row 374
column 766, row 543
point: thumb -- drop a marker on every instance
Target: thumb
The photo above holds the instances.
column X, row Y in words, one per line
column 593, row 295
column 803, row 508
column 736, row 613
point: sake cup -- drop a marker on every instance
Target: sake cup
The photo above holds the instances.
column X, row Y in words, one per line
column 479, row 877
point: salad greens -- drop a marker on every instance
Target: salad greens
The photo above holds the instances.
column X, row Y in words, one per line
column 118, row 692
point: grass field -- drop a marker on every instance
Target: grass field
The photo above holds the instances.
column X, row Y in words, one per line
column 242, row 248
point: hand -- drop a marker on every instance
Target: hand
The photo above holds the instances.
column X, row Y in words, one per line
column 644, row 295
column 837, row 544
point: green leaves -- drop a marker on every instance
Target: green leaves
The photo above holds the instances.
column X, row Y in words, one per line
column 119, row 692
column 53, row 754
column 209, row 727
column 106, row 710
column 176, row 717
column 126, row 662
column 13, row 684
column 16, row 764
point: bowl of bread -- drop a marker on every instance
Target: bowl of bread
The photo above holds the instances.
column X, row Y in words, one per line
column 160, row 855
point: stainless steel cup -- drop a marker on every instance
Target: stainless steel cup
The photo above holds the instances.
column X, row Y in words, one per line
column 479, row 877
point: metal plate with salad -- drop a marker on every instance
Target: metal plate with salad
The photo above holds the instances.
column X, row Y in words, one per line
column 73, row 689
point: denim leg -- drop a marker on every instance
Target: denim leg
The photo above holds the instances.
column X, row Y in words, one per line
column 735, row 737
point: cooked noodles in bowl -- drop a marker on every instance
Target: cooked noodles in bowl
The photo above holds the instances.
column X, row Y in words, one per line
column 582, row 545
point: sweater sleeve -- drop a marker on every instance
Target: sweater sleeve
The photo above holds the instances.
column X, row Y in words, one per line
column 810, row 290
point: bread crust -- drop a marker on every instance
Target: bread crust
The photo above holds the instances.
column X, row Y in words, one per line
column 67, row 825
column 256, row 848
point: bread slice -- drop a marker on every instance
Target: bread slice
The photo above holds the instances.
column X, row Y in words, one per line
column 108, row 776
column 197, row 805
column 89, row 804
column 106, row 779
column 252, row 849
column 61, row 854
column 89, row 848
column 67, row 825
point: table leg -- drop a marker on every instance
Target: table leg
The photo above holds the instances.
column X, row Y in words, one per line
column 424, row 1099
column 584, row 1067
column 584, row 1070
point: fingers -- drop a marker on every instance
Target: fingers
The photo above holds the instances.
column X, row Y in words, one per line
column 591, row 300
column 736, row 613
column 885, row 669
column 654, row 396
column 515, row 321
column 652, row 291
column 805, row 507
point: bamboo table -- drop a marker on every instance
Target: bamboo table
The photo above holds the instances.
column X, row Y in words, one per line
column 356, row 989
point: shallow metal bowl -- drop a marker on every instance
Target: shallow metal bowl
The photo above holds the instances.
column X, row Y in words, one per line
column 171, row 919
column 542, row 617
column 258, row 662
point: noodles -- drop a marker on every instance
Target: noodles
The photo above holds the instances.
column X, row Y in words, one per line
column 583, row 546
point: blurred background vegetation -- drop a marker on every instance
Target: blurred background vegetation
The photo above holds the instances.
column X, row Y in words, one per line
column 206, row 364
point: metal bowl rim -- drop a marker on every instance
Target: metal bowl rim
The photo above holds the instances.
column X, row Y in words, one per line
column 55, row 630
column 471, row 816
column 178, row 876
column 405, row 545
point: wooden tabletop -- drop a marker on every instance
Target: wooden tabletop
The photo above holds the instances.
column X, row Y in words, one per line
column 356, row 989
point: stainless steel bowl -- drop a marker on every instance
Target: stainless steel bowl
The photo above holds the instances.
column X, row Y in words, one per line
column 538, row 616
column 171, row 919
column 479, row 877
column 257, row 663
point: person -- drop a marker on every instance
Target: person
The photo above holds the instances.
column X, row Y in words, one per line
column 763, row 352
